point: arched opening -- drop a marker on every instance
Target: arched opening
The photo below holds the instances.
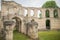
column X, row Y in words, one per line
column 47, row 14
column 32, row 12
column 39, row 14
column 17, row 35
column 18, row 24
column 55, row 13
column 47, row 24
column 25, row 12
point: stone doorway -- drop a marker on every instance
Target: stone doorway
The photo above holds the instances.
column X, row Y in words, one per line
column 18, row 24
column 48, row 24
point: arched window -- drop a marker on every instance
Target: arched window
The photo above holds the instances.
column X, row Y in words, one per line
column 39, row 14
column 55, row 13
column 47, row 24
column 47, row 13
column 25, row 12
column 32, row 12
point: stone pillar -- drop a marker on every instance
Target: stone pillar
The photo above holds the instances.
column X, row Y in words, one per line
column 25, row 22
column 51, row 13
column 0, row 14
column 33, row 30
column 28, row 12
column 59, row 12
column 43, row 13
column 22, row 27
column 21, row 12
column 8, row 30
column 35, row 13
column 1, row 30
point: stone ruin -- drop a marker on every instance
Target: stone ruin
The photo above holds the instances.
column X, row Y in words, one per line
column 6, row 33
column 7, row 30
column 33, row 29
column 28, row 26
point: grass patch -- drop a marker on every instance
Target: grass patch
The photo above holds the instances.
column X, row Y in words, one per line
column 43, row 35
column 49, row 35
column 19, row 36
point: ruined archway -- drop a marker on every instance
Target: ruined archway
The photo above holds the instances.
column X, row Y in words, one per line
column 48, row 24
column 18, row 24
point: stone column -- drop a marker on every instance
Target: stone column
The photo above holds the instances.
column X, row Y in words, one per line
column 51, row 13
column 25, row 22
column 59, row 12
column 43, row 13
column 0, row 14
column 22, row 27
column 8, row 30
column 35, row 13
column 33, row 30
column 21, row 11
column 1, row 30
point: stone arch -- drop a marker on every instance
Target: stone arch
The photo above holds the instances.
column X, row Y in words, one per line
column 18, row 23
column 55, row 13
column 17, row 17
column 47, row 24
column 47, row 14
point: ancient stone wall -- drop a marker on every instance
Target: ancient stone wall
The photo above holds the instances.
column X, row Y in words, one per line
column 12, row 9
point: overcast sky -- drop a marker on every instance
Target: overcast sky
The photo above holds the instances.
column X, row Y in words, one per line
column 34, row 3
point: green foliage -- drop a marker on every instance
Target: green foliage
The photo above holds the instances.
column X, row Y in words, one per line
column 50, row 4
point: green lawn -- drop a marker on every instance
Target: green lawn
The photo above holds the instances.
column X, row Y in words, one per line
column 43, row 35
column 49, row 35
column 19, row 36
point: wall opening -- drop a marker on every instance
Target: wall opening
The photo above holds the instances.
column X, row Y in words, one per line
column 18, row 24
column 32, row 12
column 47, row 14
column 25, row 12
column 47, row 24
column 39, row 14
column 55, row 13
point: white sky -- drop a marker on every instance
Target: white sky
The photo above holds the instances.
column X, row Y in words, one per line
column 35, row 3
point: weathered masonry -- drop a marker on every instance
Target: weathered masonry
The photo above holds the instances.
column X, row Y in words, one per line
column 25, row 22
column 11, row 9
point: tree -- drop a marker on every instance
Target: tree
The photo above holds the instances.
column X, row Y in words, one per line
column 50, row 4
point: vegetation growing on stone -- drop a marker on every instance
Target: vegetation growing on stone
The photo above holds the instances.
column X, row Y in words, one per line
column 50, row 4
